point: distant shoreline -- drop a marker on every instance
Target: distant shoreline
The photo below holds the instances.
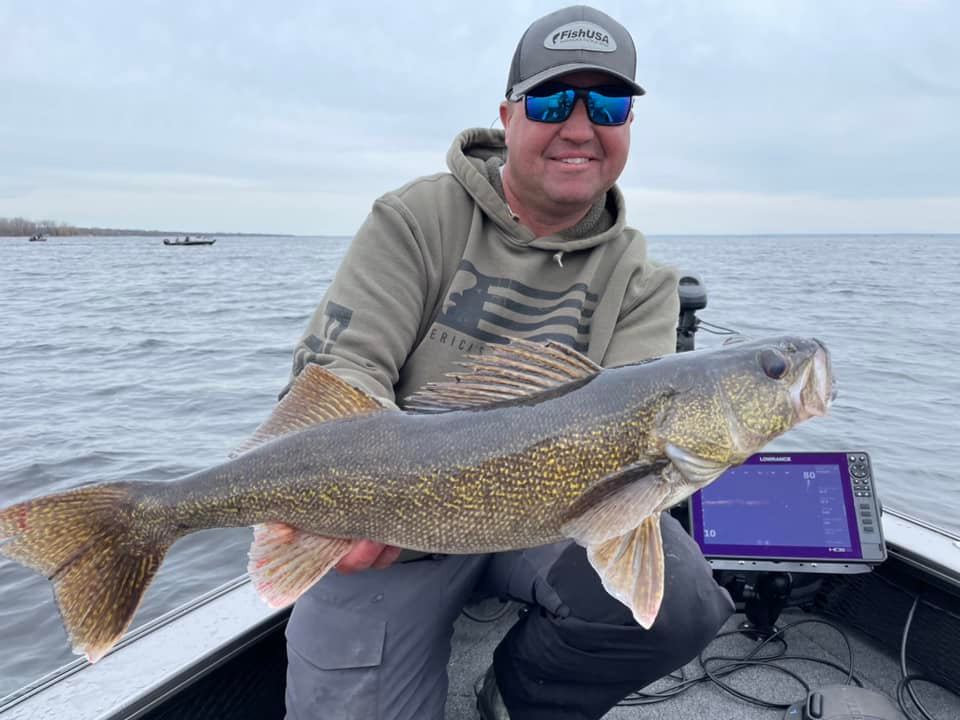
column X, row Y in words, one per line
column 6, row 233
column 21, row 227
column 148, row 233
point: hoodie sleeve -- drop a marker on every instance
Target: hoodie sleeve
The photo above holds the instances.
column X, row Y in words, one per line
column 371, row 315
column 647, row 324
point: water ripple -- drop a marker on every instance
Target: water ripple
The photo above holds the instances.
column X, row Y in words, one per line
column 125, row 360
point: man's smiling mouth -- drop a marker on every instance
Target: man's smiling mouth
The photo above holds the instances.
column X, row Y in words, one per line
column 576, row 160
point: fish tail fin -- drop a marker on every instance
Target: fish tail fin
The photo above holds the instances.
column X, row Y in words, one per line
column 100, row 546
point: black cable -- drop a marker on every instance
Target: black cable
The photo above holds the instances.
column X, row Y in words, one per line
column 641, row 698
column 715, row 329
column 926, row 601
column 735, row 664
column 732, row 664
column 905, row 677
column 499, row 613
column 732, row 667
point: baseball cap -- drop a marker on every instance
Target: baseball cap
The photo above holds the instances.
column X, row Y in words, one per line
column 574, row 38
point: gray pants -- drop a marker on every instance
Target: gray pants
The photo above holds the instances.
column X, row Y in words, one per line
column 375, row 645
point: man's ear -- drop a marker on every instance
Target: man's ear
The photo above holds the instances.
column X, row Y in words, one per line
column 505, row 112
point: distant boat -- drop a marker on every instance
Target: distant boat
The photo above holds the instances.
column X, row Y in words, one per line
column 189, row 241
column 37, row 238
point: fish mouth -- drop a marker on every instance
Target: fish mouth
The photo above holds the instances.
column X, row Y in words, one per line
column 815, row 390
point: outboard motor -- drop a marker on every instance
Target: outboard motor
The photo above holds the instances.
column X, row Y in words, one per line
column 693, row 297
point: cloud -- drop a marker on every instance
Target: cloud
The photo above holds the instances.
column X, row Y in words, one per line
column 655, row 211
column 749, row 98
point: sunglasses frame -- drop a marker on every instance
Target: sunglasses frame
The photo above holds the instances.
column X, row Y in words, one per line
column 581, row 93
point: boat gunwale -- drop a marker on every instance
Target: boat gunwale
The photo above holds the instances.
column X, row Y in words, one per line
column 57, row 675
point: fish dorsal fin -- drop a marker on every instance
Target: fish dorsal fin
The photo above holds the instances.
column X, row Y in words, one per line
column 316, row 395
column 517, row 369
column 631, row 569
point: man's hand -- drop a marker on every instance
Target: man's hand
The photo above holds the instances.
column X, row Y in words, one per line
column 367, row 554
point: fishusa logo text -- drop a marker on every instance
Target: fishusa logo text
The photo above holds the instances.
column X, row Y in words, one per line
column 580, row 34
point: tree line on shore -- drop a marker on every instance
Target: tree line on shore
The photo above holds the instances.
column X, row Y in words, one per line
column 18, row 226
column 21, row 227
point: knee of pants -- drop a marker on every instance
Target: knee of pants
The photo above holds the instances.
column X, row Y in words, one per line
column 690, row 623
column 693, row 609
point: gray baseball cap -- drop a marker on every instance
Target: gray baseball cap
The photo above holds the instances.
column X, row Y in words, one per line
column 568, row 40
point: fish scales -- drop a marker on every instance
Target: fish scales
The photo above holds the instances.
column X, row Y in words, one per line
column 477, row 480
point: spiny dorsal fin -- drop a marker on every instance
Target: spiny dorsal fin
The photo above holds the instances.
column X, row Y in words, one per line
column 317, row 395
column 517, row 369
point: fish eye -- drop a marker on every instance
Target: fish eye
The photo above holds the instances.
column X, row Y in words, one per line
column 774, row 364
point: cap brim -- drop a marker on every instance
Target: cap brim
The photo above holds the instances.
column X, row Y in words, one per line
column 521, row 87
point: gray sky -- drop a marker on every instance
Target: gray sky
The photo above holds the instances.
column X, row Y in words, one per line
column 815, row 116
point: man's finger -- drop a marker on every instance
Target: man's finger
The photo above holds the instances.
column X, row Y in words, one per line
column 361, row 556
column 387, row 557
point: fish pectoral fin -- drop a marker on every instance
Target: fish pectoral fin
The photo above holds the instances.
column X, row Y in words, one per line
column 316, row 395
column 520, row 368
column 631, row 569
column 285, row 562
column 617, row 503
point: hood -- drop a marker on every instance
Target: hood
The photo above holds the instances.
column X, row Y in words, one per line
column 466, row 158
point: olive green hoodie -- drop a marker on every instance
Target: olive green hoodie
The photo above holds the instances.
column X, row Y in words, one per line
column 441, row 269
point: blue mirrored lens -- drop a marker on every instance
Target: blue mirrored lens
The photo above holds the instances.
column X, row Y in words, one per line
column 553, row 108
column 602, row 109
column 607, row 110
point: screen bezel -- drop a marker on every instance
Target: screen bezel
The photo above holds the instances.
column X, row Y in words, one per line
column 785, row 552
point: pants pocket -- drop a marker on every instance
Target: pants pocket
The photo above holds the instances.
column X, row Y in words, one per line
column 333, row 661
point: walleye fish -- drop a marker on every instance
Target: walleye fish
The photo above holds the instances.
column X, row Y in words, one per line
column 528, row 445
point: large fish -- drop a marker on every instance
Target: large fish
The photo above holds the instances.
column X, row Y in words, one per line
column 530, row 444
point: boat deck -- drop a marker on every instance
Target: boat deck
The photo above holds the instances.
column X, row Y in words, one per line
column 148, row 679
column 876, row 667
column 223, row 655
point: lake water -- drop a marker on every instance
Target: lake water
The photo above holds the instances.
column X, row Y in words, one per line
column 122, row 359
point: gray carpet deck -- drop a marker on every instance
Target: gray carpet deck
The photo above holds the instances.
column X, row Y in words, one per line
column 877, row 668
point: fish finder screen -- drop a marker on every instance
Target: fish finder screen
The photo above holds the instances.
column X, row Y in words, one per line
column 778, row 509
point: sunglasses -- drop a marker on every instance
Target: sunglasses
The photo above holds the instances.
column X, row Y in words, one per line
column 553, row 103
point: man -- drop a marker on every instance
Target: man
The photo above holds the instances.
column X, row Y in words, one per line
column 525, row 236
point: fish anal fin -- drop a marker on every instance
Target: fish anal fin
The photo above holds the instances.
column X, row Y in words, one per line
column 617, row 503
column 517, row 369
column 316, row 395
column 285, row 562
column 631, row 569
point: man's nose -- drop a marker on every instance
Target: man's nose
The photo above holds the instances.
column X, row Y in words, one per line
column 577, row 127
